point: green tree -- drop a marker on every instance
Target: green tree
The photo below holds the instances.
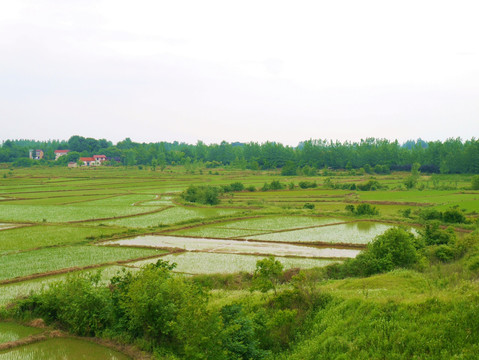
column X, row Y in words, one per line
column 267, row 274
column 475, row 182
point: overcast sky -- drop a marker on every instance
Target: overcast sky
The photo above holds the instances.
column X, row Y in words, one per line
column 244, row 70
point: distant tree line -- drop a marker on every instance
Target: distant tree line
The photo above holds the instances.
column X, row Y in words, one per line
column 371, row 154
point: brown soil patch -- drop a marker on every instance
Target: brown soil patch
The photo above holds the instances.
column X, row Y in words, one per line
column 38, row 323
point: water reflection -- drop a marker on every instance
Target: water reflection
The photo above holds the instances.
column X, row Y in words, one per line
column 62, row 349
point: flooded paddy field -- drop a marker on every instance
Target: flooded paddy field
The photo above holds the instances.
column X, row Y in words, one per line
column 10, row 331
column 215, row 263
column 234, row 246
column 61, row 349
column 349, row 233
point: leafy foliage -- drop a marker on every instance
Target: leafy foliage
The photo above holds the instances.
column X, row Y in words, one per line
column 362, row 209
column 395, row 248
column 267, row 274
column 202, row 194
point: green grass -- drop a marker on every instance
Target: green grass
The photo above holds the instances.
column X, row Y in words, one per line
column 50, row 259
column 31, row 237
column 65, row 213
column 358, row 329
column 170, row 216
column 280, row 223
column 216, row 232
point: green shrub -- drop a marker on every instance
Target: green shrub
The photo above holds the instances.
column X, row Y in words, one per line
column 238, row 334
column 208, row 195
column 475, row 182
column 366, row 209
column 445, row 253
column 267, row 274
column 236, row 186
column 430, row 214
column 453, row 216
column 309, row 206
column 273, row 185
column 395, row 248
column 80, row 304
column 362, row 209
column 371, row 185
column 307, row 184
column 432, row 234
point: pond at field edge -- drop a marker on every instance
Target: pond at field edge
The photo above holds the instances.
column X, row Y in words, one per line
column 12, row 332
column 62, row 349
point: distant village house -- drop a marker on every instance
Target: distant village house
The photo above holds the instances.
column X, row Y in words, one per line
column 96, row 160
column 36, row 154
column 59, row 153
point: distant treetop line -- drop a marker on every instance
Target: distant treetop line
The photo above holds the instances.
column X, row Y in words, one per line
column 450, row 156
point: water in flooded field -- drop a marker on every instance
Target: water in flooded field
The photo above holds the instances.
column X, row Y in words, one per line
column 349, row 233
column 12, row 332
column 235, row 247
column 62, row 349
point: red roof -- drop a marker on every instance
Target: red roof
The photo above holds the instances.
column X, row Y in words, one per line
column 87, row 159
column 61, row 151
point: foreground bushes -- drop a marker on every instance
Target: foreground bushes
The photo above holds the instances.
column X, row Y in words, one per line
column 169, row 315
column 172, row 316
column 395, row 248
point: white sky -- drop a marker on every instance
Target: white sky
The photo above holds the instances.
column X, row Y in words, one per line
column 284, row 71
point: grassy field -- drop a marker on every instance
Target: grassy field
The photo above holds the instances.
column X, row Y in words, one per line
column 54, row 221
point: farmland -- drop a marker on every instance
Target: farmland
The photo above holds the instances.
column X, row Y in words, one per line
column 56, row 223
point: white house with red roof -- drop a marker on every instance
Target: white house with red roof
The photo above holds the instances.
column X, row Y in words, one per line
column 96, row 160
column 59, row 153
column 99, row 159
column 88, row 161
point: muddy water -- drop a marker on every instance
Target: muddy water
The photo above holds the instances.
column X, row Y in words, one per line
column 62, row 349
column 350, row 233
column 235, row 247
column 13, row 332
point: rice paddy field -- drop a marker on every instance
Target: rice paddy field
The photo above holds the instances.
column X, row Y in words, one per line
column 55, row 222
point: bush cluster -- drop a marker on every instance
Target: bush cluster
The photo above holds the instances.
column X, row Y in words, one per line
column 307, row 184
column 362, row 209
column 170, row 315
column 452, row 215
column 236, row 186
column 202, row 194
column 395, row 248
column 273, row 185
